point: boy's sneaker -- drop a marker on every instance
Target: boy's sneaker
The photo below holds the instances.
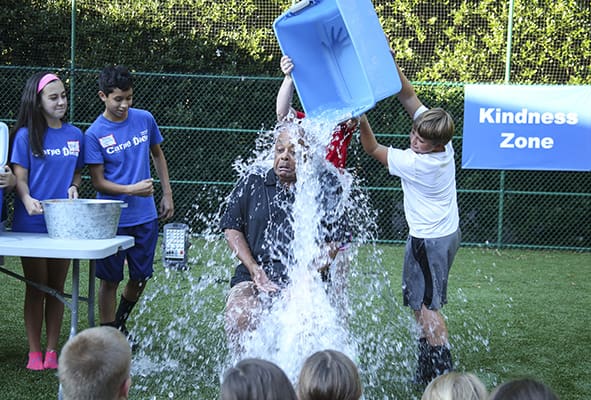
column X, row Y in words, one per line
column 424, row 371
column 441, row 360
column 130, row 339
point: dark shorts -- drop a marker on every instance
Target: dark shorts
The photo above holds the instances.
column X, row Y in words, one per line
column 276, row 272
column 140, row 257
column 426, row 269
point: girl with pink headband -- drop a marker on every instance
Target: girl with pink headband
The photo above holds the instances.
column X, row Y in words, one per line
column 45, row 80
column 47, row 159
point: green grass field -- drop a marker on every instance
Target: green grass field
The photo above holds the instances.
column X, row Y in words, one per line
column 511, row 313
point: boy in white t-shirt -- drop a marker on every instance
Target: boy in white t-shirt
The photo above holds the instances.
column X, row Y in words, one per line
column 427, row 173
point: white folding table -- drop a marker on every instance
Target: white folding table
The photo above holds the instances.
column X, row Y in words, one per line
column 41, row 245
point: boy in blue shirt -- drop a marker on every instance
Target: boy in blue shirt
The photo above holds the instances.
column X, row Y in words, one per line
column 121, row 142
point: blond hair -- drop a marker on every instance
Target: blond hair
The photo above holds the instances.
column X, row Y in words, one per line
column 455, row 386
column 94, row 364
column 329, row 375
column 435, row 125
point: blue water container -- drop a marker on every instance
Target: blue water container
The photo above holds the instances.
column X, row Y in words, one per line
column 342, row 59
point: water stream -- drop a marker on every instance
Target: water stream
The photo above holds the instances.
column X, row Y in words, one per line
column 179, row 323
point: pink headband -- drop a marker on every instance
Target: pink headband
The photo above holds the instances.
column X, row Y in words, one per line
column 45, row 80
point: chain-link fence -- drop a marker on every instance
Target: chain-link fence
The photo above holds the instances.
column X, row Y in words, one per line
column 210, row 119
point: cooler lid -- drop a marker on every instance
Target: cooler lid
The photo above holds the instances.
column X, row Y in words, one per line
column 3, row 144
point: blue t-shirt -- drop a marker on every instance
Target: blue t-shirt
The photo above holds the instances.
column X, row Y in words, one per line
column 124, row 150
column 49, row 176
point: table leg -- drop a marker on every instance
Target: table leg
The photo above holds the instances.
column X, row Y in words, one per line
column 75, row 295
column 91, row 291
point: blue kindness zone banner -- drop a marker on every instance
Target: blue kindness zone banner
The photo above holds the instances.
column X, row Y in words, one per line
column 527, row 127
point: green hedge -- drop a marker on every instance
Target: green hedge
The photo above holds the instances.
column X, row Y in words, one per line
column 209, row 73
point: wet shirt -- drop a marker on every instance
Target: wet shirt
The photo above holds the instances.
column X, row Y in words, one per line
column 50, row 176
column 260, row 208
column 124, row 150
column 429, row 186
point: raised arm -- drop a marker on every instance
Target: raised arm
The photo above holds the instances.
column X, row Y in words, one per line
column 407, row 96
column 370, row 143
column 285, row 94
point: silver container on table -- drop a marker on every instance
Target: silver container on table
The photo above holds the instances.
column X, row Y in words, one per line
column 82, row 218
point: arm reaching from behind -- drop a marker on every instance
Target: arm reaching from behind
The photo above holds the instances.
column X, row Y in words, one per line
column 7, row 178
column 285, row 94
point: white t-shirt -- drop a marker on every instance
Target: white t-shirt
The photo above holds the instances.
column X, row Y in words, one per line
column 429, row 186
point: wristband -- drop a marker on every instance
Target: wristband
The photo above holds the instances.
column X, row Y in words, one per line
column 76, row 186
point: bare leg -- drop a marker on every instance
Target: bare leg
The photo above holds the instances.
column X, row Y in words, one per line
column 339, row 295
column 107, row 301
column 134, row 289
column 35, row 270
column 54, row 308
column 242, row 308
column 433, row 326
column 434, row 353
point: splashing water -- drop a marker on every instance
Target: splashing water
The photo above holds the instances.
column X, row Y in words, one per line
column 304, row 319
column 180, row 320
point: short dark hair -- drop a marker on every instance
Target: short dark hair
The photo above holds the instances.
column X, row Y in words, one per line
column 523, row 389
column 115, row 77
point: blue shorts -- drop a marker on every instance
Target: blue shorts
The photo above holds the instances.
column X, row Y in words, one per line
column 140, row 257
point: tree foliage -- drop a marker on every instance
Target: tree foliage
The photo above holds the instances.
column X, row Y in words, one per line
column 202, row 68
column 466, row 41
column 439, row 40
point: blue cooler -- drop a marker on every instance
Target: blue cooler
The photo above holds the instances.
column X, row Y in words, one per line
column 342, row 59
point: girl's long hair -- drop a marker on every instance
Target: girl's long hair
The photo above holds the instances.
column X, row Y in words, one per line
column 30, row 115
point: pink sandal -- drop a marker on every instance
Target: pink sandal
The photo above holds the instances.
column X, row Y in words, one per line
column 50, row 360
column 35, row 361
